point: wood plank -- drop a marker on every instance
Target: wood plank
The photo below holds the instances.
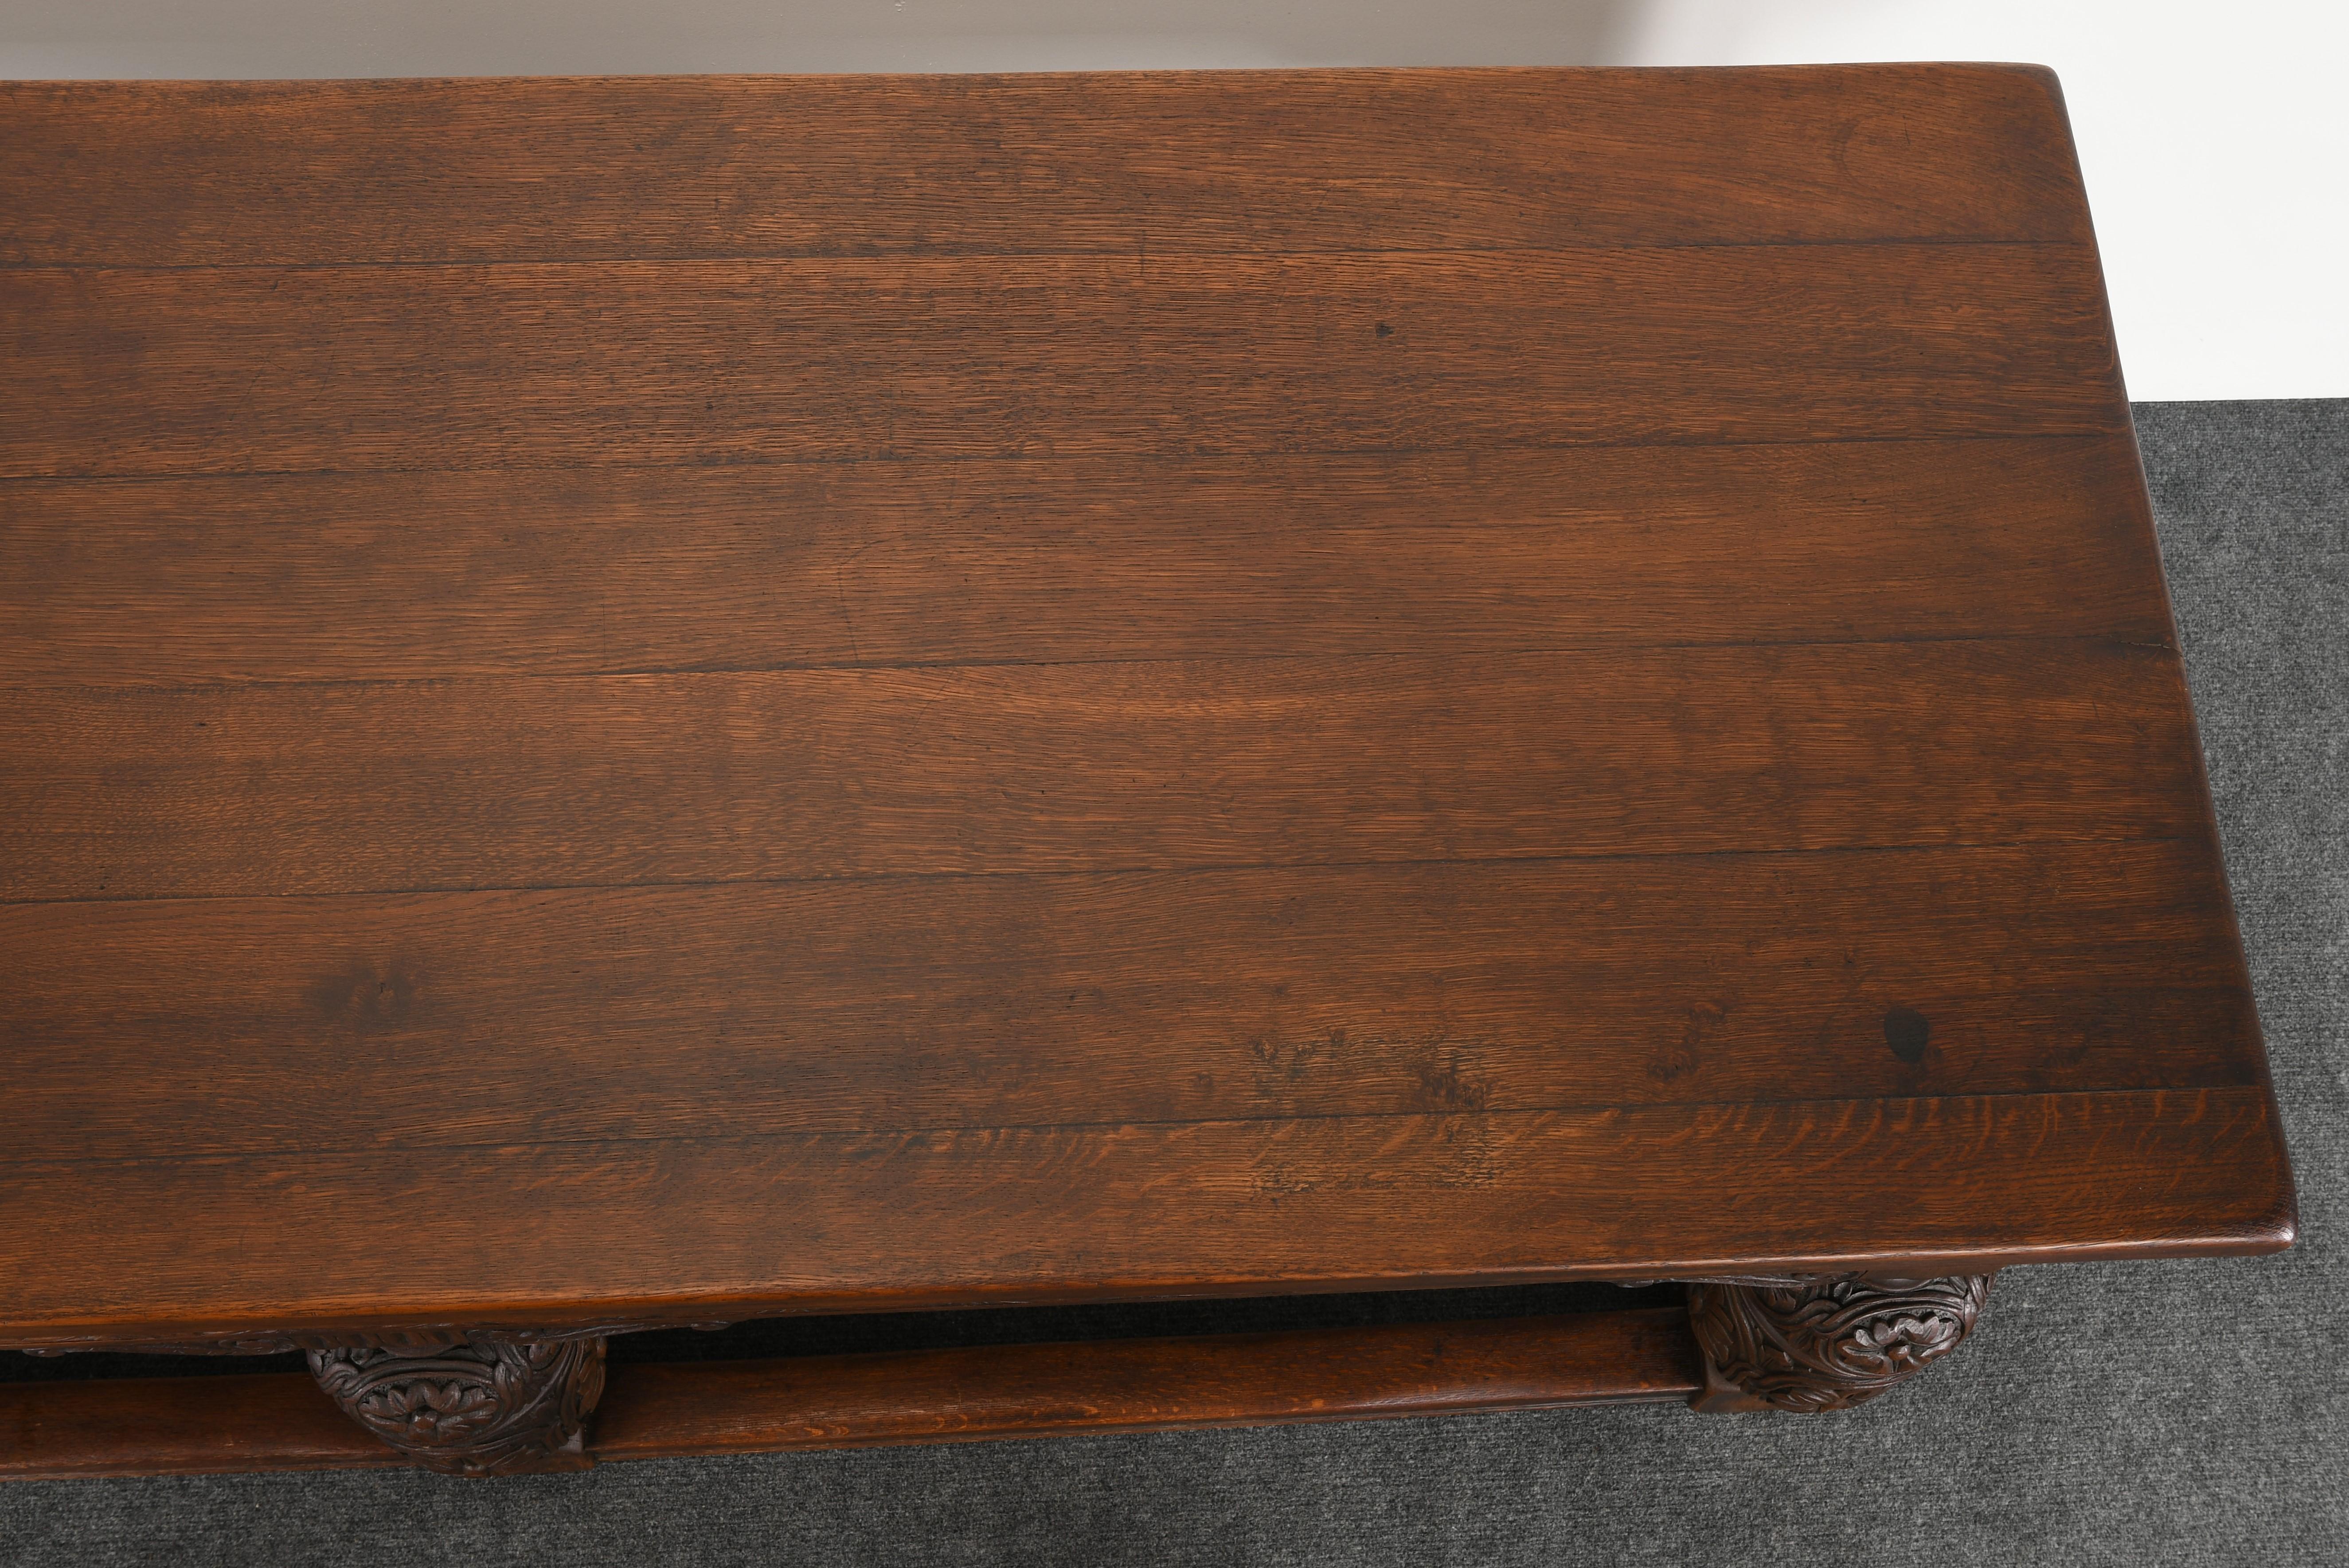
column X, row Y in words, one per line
column 688, row 362
column 170, row 174
column 1276, row 794
column 178, row 1426
column 757, row 1227
column 1146, row 1385
column 200, row 1425
column 673, row 778
column 142, row 1029
column 385, row 577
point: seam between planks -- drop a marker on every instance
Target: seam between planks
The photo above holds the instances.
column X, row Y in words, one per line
column 209, row 685
column 1214, row 869
column 1104, row 252
column 2258, row 1085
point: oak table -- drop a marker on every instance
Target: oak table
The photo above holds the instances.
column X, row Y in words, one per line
column 651, row 702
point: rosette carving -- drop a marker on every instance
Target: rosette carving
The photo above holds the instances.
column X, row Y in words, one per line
column 471, row 1404
column 1825, row 1342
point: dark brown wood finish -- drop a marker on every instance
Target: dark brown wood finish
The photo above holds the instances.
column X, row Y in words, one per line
column 470, row 1402
column 704, row 1226
column 178, row 1426
column 1146, row 1385
column 695, row 362
column 918, row 1004
column 1824, row 1342
column 196, row 1425
column 365, row 788
column 229, row 174
column 657, row 700
column 624, row 570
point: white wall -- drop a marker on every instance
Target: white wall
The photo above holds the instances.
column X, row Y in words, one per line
column 2214, row 139
column 2214, row 135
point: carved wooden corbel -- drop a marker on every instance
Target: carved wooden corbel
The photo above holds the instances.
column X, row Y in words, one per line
column 1824, row 1342
column 461, row 1400
column 477, row 1404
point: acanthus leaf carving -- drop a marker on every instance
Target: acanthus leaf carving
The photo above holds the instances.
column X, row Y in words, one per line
column 471, row 1404
column 461, row 1399
column 1827, row 1341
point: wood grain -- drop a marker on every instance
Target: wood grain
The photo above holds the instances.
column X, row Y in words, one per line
column 700, row 1226
column 177, row 1426
column 966, row 1003
column 139, row 373
column 602, row 570
column 1146, row 1385
column 676, row 778
column 676, row 699
column 195, row 1426
column 174, row 174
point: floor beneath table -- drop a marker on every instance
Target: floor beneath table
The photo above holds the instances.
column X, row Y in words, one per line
column 2133, row 1412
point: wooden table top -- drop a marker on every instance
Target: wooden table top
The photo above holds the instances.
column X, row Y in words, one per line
column 688, row 698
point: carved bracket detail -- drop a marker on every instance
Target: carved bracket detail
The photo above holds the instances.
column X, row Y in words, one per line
column 476, row 1403
column 1827, row 1341
column 463, row 1400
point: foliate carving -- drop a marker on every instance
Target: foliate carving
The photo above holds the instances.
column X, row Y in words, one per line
column 476, row 1403
column 1827, row 1341
column 465, row 1400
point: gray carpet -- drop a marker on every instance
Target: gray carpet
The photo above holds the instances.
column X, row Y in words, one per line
column 2175, row 1413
